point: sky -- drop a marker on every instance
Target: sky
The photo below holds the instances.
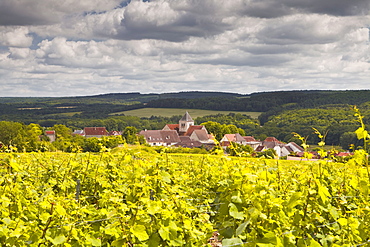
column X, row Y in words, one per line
column 53, row 48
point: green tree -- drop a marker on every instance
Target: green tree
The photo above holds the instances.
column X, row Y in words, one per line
column 62, row 131
column 32, row 136
column 92, row 145
column 112, row 141
column 219, row 130
column 214, row 128
column 12, row 134
column 130, row 135
column 231, row 129
column 236, row 149
column 268, row 154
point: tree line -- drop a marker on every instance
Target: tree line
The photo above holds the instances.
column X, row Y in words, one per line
column 336, row 121
column 18, row 137
column 282, row 113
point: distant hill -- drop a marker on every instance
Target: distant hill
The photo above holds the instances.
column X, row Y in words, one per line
column 28, row 109
column 117, row 97
column 267, row 101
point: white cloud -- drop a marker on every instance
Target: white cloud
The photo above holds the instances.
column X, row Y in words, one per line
column 15, row 37
column 54, row 48
column 40, row 12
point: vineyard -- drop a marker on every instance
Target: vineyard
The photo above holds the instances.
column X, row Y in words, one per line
column 138, row 198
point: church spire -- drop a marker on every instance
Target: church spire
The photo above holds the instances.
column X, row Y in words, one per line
column 187, row 118
column 185, row 122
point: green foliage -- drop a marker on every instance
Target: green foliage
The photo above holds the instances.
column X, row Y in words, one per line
column 62, row 131
column 267, row 154
column 11, row 133
column 334, row 121
column 130, row 135
column 321, row 151
column 161, row 149
column 137, row 198
column 348, row 140
column 219, row 130
column 236, row 149
column 92, row 145
column 243, row 122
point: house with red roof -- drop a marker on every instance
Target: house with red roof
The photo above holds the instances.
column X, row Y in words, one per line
column 195, row 134
column 228, row 138
column 160, row 137
column 251, row 141
column 281, row 149
column 186, row 142
column 97, row 132
column 115, row 133
column 51, row 134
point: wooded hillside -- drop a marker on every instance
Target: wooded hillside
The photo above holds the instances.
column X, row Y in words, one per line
column 283, row 112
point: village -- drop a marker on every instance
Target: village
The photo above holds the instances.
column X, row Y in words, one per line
column 186, row 134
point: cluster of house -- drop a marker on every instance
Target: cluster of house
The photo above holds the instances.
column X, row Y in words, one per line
column 183, row 134
column 87, row 132
column 186, row 134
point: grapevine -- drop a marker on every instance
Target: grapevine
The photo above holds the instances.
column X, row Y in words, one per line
column 135, row 198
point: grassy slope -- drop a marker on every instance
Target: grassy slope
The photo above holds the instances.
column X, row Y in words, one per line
column 168, row 112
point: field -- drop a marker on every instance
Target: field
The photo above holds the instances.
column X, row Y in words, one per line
column 169, row 112
column 135, row 197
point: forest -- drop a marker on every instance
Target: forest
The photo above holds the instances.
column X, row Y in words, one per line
column 283, row 112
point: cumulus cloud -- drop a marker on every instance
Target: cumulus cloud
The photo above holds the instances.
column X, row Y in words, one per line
column 55, row 48
column 18, row 37
column 41, row 12
column 279, row 8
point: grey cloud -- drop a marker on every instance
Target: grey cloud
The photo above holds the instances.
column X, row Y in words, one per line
column 175, row 45
column 332, row 7
column 15, row 37
column 247, row 60
column 305, row 29
column 265, row 49
column 156, row 20
column 278, row 8
column 44, row 12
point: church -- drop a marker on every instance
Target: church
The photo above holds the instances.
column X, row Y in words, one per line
column 183, row 134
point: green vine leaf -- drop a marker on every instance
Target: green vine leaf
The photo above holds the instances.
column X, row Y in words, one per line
column 58, row 240
column 232, row 242
column 139, row 231
column 234, row 212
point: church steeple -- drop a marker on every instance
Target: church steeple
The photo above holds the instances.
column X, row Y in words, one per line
column 185, row 122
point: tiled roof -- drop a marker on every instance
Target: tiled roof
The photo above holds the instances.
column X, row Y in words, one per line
column 169, row 136
column 271, row 139
column 192, row 128
column 172, row 126
column 295, row 146
column 186, row 118
column 249, row 139
column 201, row 134
column 151, row 135
column 290, row 150
column 50, row 132
column 115, row 133
column 234, row 137
column 185, row 139
column 187, row 142
column 95, row 131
